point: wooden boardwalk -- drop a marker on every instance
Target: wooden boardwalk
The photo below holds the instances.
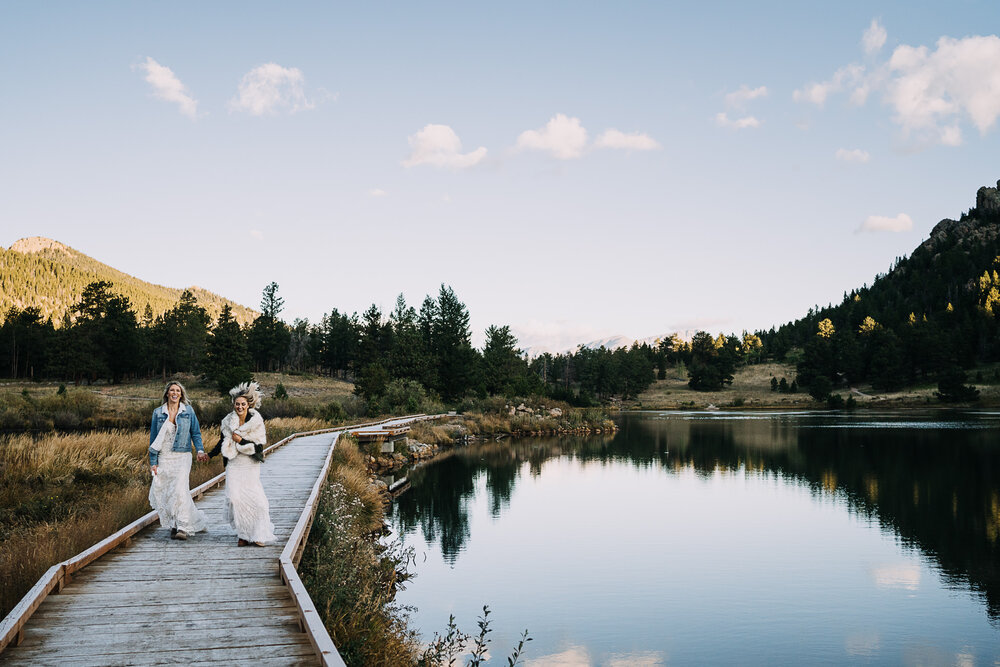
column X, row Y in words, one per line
column 154, row 600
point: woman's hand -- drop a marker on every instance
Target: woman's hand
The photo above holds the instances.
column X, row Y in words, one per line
column 237, row 438
column 202, row 457
column 153, row 469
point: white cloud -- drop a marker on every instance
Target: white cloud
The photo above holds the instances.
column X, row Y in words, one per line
column 166, row 86
column 874, row 38
column 930, row 89
column 439, row 146
column 270, row 88
column 723, row 120
column 854, row 155
column 574, row 656
column 905, row 576
column 881, row 223
column 634, row 141
column 562, row 137
column 740, row 97
column 850, row 76
column 257, row 234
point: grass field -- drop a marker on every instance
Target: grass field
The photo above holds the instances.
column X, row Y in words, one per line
column 38, row 406
column 751, row 388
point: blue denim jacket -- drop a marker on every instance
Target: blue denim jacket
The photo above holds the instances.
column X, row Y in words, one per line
column 188, row 431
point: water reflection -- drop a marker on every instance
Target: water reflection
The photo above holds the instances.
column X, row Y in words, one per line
column 931, row 480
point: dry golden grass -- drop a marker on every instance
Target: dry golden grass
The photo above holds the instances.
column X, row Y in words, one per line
column 752, row 384
column 751, row 388
column 282, row 427
column 433, row 433
column 308, row 387
column 140, row 394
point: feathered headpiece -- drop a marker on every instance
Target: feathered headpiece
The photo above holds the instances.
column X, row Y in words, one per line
column 250, row 391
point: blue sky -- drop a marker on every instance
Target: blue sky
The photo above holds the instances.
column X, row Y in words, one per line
column 575, row 170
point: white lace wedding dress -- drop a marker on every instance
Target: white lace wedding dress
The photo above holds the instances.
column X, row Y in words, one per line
column 170, row 492
column 247, row 509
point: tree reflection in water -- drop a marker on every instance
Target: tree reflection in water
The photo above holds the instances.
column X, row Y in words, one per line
column 932, row 479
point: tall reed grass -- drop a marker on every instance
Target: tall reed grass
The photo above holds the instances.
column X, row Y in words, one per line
column 61, row 493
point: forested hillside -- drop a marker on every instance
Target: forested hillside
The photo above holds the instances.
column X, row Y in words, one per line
column 47, row 275
column 934, row 313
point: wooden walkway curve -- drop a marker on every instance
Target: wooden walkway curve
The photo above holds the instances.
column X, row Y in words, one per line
column 153, row 600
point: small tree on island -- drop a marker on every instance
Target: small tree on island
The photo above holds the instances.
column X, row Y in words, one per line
column 952, row 387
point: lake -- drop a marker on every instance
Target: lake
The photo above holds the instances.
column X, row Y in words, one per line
column 719, row 537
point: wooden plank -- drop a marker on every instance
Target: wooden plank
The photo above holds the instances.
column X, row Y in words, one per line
column 67, row 641
column 262, row 591
column 233, row 582
column 164, row 655
column 56, row 609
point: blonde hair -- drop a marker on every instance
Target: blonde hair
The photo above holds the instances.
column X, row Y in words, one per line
column 184, row 394
column 248, row 390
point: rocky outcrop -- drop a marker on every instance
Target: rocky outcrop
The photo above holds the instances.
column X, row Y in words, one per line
column 38, row 244
column 406, row 453
column 988, row 201
column 979, row 227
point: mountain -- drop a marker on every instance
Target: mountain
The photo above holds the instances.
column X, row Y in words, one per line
column 932, row 312
column 609, row 343
column 51, row 276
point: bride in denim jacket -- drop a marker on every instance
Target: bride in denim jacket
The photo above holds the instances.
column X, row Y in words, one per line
column 172, row 432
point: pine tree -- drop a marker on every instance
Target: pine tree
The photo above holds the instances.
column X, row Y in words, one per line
column 227, row 361
column 457, row 361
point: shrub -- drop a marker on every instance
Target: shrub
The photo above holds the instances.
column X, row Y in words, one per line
column 334, row 412
column 952, row 387
column 820, row 387
column 406, row 397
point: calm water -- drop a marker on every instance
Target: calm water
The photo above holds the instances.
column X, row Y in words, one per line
column 720, row 538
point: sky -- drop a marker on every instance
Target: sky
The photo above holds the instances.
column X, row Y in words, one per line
column 574, row 170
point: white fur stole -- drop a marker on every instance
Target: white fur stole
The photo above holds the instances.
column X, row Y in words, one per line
column 252, row 430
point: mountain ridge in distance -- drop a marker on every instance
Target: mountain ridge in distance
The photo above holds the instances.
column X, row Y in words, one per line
column 49, row 275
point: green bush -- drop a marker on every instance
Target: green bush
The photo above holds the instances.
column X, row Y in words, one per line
column 334, row 412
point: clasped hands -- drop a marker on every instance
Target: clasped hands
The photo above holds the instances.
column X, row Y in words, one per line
column 202, row 458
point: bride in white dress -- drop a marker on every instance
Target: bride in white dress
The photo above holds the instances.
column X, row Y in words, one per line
column 243, row 441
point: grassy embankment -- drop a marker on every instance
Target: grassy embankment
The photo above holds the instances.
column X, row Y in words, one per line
column 751, row 388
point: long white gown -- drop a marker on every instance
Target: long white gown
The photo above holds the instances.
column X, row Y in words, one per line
column 170, row 492
column 247, row 509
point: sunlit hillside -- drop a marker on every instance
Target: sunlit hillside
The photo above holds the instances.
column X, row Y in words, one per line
column 48, row 275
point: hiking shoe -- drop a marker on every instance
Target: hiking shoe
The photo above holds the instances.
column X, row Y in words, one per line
column 179, row 535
